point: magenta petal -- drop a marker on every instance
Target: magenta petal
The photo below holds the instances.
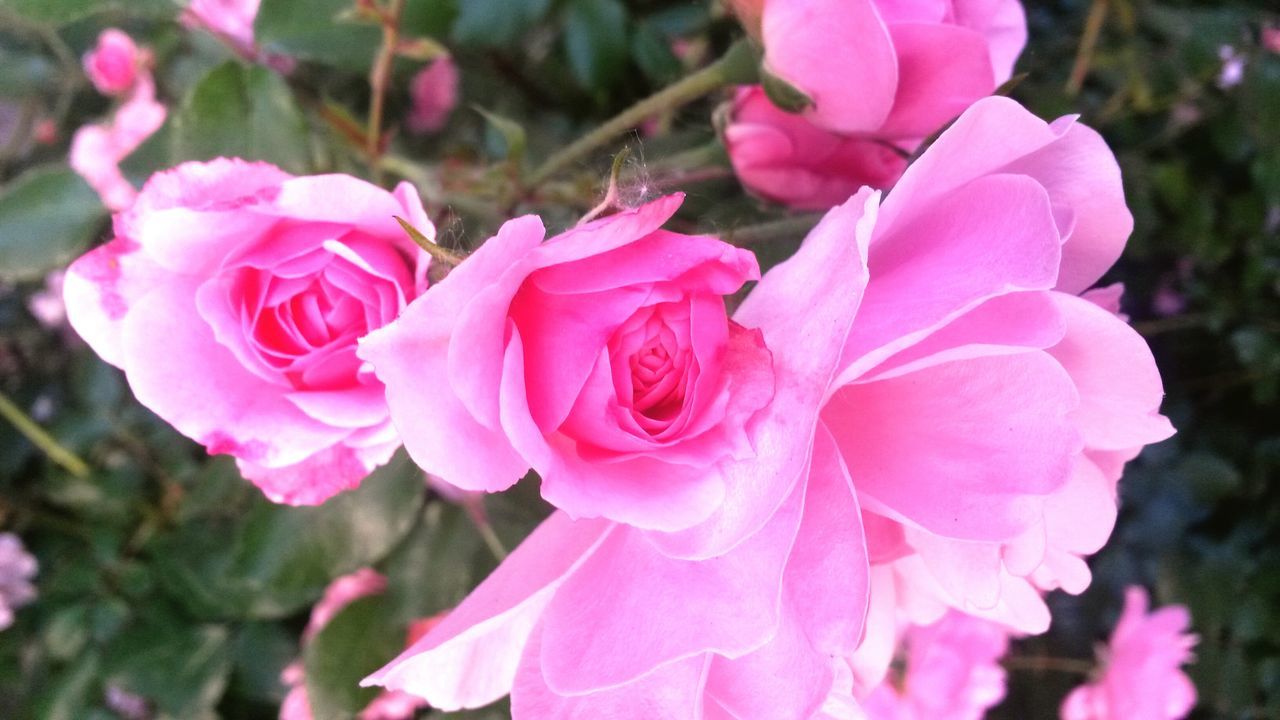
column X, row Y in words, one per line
column 629, row 595
column 942, row 70
column 470, row 658
column 319, row 477
column 671, row 691
column 803, row 306
column 851, row 82
column 1003, row 23
column 965, row 450
column 1112, row 368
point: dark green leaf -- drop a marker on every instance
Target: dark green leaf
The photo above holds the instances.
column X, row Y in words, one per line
column 595, row 40
column 358, row 640
column 180, row 666
column 435, row 567
column 47, row 216
column 239, row 111
column 58, row 12
column 496, row 23
column 311, row 30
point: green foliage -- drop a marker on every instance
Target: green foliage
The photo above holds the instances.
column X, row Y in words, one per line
column 47, row 216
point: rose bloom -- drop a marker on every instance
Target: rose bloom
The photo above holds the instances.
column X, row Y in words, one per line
column 784, row 158
column 434, row 92
column 603, row 358
column 952, row 672
column 899, row 69
column 114, row 64
column 233, row 296
column 17, row 569
column 959, row 382
column 1142, row 677
column 881, row 76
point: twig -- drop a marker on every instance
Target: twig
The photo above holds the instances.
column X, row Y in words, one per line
column 1088, row 44
column 791, row 228
column 41, row 439
column 379, row 78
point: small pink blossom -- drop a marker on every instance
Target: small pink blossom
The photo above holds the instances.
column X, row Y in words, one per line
column 1271, row 38
column 1233, row 63
column 115, row 64
column 1142, row 677
column 45, row 132
column 434, row 91
column 17, row 570
column 46, row 304
column 952, row 672
column 787, row 159
column 233, row 297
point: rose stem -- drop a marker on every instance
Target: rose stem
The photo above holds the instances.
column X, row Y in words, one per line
column 738, row 66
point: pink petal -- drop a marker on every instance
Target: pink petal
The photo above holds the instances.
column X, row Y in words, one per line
column 1112, row 368
column 629, row 595
column 942, row 70
column 438, row 429
column 1003, row 23
column 851, row 81
column 994, row 236
column 966, row 449
column 100, row 288
column 470, row 659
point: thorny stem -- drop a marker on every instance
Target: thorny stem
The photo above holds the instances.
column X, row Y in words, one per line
column 41, row 439
column 1088, row 43
column 738, row 66
column 379, row 78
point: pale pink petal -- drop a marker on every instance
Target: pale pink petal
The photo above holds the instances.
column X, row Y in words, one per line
column 99, row 289
column 471, row 658
column 942, row 70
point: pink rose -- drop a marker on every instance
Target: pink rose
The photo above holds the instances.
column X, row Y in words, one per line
column 233, row 296
column 952, row 672
column 113, row 65
column 98, row 149
column 745, row 610
column 787, row 159
column 1142, row 679
column 434, row 91
column 898, row 69
column 603, row 358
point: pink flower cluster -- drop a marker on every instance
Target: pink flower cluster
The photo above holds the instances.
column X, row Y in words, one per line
column 893, row 445
column 17, row 569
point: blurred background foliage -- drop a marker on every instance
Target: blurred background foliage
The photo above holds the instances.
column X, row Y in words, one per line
column 166, row 576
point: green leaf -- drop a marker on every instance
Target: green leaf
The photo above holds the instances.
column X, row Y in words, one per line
column 180, row 666
column 595, row 40
column 429, row 18
column 358, row 640
column 260, row 652
column 58, row 12
column 513, row 135
column 47, row 216
column 437, row 565
column 246, row 112
column 268, row 561
column 496, row 23
column 310, row 30
column 652, row 53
